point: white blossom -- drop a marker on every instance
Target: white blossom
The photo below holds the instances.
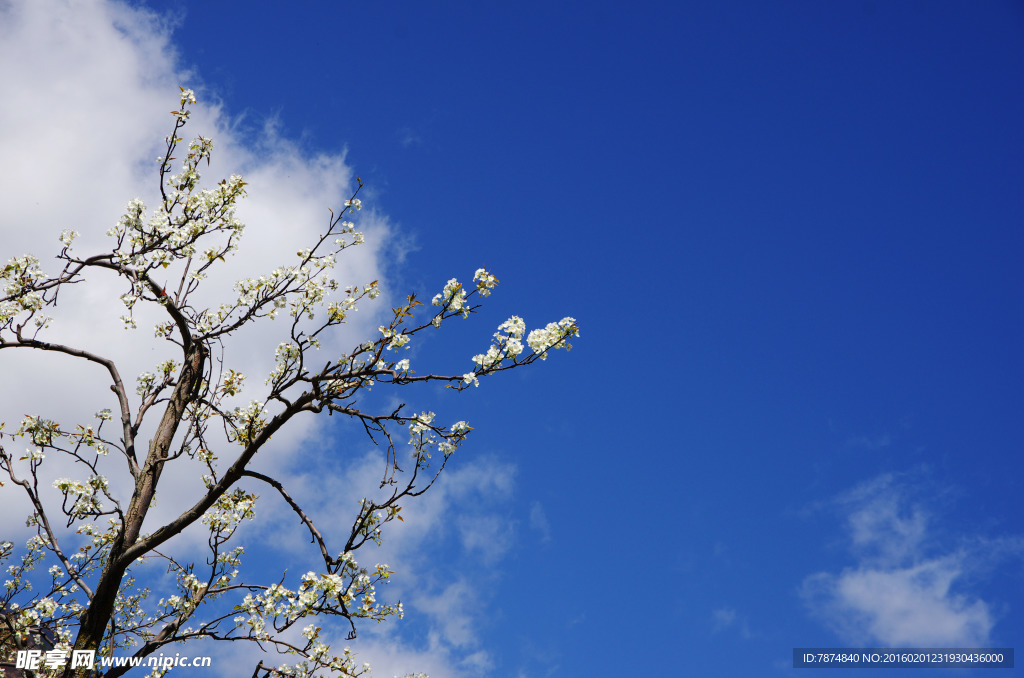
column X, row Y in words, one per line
column 485, row 282
column 67, row 236
column 553, row 336
column 452, row 298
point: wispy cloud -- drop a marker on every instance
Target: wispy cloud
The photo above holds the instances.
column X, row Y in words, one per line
column 491, row 536
column 907, row 585
column 724, row 618
column 451, row 610
column 446, row 553
column 407, row 137
column 539, row 521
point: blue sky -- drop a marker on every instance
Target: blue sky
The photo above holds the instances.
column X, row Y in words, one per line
column 792, row 236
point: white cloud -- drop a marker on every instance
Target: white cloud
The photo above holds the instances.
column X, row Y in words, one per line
column 911, row 606
column 89, row 86
column 392, row 658
column 452, row 611
column 883, row 525
column 491, row 536
column 903, row 590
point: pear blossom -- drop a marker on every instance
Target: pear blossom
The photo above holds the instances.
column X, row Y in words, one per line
column 554, row 335
column 485, row 282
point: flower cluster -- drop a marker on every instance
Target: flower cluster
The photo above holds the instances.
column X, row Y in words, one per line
column 320, row 657
column 397, row 339
column 55, row 609
column 172, row 233
column 246, row 423
column 287, row 359
column 86, row 499
column 351, row 588
column 553, row 336
column 20, row 278
column 186, row 215
column 232, row 383
column 452, row 298
column 508, row 345
column 40, row 431
column 456, row 436
column 229, row 510
column 485, row 282
column 425, row 437
column 67, row 236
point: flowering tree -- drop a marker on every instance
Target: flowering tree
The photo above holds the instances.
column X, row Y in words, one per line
column 93, row 542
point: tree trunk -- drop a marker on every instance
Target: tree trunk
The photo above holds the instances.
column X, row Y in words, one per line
column 97, row 616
